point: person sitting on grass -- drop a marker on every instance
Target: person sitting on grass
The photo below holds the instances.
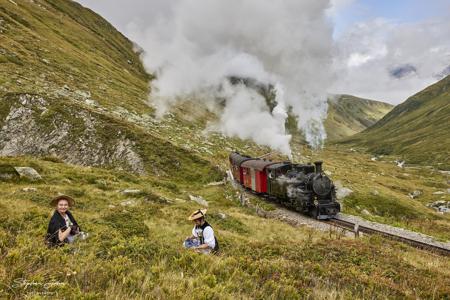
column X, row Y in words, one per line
column 202, row 238
column 62, row 227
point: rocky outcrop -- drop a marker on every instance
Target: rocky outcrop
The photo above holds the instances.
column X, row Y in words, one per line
column 41, row 127
column 28, row 173
column 341, row 191
column 414, row 194
column 131, row 192
column 199, row 199
column 69, row 130
column 440, row 206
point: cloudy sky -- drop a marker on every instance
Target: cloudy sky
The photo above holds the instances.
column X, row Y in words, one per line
column 385, row 50
column 377, row 49
column 388, row 50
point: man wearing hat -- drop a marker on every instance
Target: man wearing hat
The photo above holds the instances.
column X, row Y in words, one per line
column 202, row 239
column 62, row 227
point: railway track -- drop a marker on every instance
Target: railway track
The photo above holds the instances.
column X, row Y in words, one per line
column 357, row 229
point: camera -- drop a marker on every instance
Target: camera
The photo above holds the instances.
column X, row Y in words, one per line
column 74, row 230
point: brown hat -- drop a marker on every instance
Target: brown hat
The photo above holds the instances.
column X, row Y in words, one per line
column 197, row 214
column 55, row 201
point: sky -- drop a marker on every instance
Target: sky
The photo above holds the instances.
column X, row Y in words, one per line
column 384, row 50
column 401, row 11
column 389, row 50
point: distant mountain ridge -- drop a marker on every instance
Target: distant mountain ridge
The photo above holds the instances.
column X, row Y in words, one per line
column 418, row 129
column 348, row 115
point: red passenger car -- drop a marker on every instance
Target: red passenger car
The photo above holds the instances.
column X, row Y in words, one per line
column 236, row 160
column 254, row 173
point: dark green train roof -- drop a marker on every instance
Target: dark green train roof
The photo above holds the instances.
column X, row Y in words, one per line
column 237, row 159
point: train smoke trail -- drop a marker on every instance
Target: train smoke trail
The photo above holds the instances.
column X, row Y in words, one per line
column 196, row 46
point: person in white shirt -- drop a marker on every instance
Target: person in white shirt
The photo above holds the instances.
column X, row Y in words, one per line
column 202, row 238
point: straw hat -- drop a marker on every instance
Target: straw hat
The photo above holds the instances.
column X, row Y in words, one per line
column 197, row 214
column 55, row 201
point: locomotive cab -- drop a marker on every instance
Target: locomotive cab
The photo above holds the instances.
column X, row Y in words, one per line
column 306, row 169
column 275, row 186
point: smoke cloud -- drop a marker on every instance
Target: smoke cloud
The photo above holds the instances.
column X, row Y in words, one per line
column 194, row 47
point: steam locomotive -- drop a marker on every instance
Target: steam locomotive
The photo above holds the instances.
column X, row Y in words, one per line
column 302, row 187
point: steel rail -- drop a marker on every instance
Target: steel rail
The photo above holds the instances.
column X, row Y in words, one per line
column 356, row 228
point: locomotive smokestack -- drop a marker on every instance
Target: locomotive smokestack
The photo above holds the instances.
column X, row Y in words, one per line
column 318, row 165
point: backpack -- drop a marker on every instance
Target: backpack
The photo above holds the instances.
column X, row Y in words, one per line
column 216, row 247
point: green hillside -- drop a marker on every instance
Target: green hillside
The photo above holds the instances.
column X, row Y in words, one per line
column 348, row 115
column 56, row 47
column 418, row 130
column 68, row 83
column 74, row 106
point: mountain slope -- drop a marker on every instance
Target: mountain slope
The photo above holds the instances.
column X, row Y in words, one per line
column 69, row 82
column 418, row 129
column 60, row 50
column 348, row 115
column 59, row 47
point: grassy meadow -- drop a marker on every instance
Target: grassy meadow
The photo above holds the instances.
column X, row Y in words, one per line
column 134, row 249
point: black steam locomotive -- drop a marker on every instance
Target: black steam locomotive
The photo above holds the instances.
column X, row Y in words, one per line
column 304, row 188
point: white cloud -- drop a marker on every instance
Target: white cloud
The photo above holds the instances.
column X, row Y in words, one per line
column 390, row 61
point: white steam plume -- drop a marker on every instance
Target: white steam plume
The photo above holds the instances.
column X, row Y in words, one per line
column 195, row 46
